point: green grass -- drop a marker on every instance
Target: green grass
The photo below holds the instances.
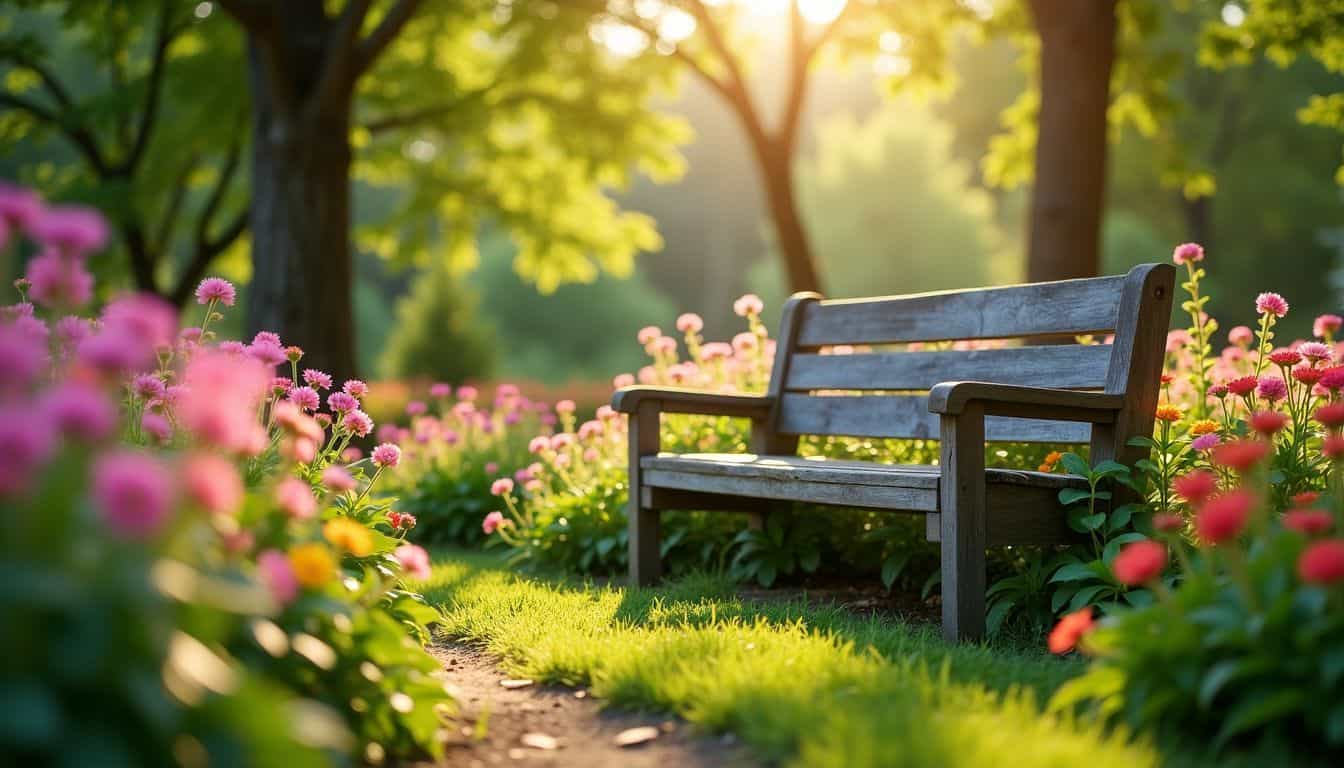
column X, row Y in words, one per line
column 802, row 685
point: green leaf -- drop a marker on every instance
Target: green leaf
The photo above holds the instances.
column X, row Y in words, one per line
column 1069, row 496
column 810, row 560
column 1224, row 672
column 1259, row 710
column 1087, row 596
column 765, row 575
column 1110, row 468
column 1074, row 464
column 1073, row 572
column 1082, row 522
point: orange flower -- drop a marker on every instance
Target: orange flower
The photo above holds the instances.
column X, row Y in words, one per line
column 1051, row 459
column 1070, row 629
column 1168, row 412
column 1204, row 427
column 313, row 564
column 349, row 536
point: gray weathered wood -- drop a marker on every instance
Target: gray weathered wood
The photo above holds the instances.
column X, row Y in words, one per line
column 677, row 400
column 837, row 494
column 962, row 523
column 680, row 498
column 1040, row 309
column 645, row 556
column 1063, row 366
column 1019, row 515
column 772, row 439
column 1025, row 402
column 797, row 468
column 905, row 416
column 1137, row 357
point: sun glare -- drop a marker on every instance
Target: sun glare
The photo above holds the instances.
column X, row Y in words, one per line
column 820, row 11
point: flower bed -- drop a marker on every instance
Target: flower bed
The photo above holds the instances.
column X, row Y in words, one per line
column 196, row 565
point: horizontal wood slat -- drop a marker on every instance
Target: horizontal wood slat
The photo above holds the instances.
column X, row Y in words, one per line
column 816, row 470
column 838, row 494
column 1066, row 307
column 906, row 416
column 1065, row 366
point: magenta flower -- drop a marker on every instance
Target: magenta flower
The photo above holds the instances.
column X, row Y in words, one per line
column 148, row 386
column 414, row 561
column 277, row 574
column 213, row 483
column 233, row 347
column 216, row 289
column 305, row 397
column 269, row 355
column 1271, row 304
column 416, row 408
column 133, row 493
column 690, row 322
column 80, row 411
column 1188, row 253
column 1326, row 326
column 357, row 422
column 501, row 487
column 340, row 402
column 144, row 317
column 1314, row 350
column 351, row 455
column 25, row 442
column 386, row 455
column 338, row 479
column 19, row 207
column 295, row 499
column 72, row 329
column 355, row 388
column 267, row 337
column 74, row 229
column 1272, row 389
column 1205, row 442
column 502, row 392
column 317, row 379
column 59, row 282
column 747, row 305
column 23, row 355
column 493, row 522
column 157, row 426
column 221, row 402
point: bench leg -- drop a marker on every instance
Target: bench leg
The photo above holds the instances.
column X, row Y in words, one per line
column 962, row 524
column 646, row 562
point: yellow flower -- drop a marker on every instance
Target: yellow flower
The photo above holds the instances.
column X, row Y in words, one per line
column 1203, row 427
column 349, row 536
column 1168, row 412
column 313, row 564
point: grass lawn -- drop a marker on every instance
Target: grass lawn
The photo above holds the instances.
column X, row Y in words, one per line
column 802, row 685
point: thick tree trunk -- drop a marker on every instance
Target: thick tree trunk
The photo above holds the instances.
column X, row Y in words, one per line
column 1077, row 51
column 800, row 265
column 300, row 219
column 1198, row 215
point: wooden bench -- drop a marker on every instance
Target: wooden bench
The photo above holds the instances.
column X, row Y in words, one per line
column 1061, row 393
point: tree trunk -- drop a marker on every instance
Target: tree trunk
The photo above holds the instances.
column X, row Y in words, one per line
column 800, row 266
column 300, row 214
column 1198, row 215
column 1077, row 50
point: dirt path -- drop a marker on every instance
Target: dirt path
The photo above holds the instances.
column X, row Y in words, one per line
column 536, row 725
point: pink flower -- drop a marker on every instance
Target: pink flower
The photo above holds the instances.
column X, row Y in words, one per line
column 215, row 289
column 351, row 455
column 468, row 393
column 590, row 429
column 278, row 575
column 80, row 411
column 281, row 385
column 148, row 386
column 338, row 479
column 1240, row 336
column 19, row 207
column 690, row 323
column 1176, row 339
column 22, row 358
column 1271, row 304
column 745, row 342
column 133, row 493
column 357, row 422
column 305, row 397
column 317, row 379
column 57, row 281
column 74, row 229
column 565, row 406
column 1272, row 389
column 621, row 381
column 648, row 334
column 606, row 412
column 25, row 442
column 144, row 317
column 1314, row 350
column 1188, row 253
column 1309, row 522
column 1333, row 378
column 340, row 402
column 1224, row 517
column 439, row 389
column 416, row 408
column 1325, row 326
column 414, row 561
column 386, row 455
column 295, row 498
column 1140, row 562
column 1322, row 562
column 269, row 355
column 156, row 426
column 1205, row 442
column 355, row 388
column 72, row 329
column 233, row 347
column 213, row 483
column 224, row 393
column 501, row 487
column 538, row 444
column 749, row 304
column 493, row 522
column 267, row 337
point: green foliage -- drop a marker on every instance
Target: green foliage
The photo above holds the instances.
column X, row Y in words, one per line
column 438, row 334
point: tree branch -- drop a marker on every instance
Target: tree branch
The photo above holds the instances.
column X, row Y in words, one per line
column 735, row 90
column 143, row 258
column 149, row 115
column 254, row 15
column 78, row 135
column 204, row 253
column 216, row 197
column 339, row 68
column 387, row 30
column 164, row 232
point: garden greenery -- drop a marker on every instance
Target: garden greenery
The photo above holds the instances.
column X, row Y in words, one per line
column 197, row 567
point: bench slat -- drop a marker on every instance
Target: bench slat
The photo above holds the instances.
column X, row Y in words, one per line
column 1066, row 366
column 1083, row 306
column 906, row 416
column 840, row 494
column 816, row 470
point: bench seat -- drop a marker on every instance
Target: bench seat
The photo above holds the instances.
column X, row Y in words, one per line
column 863, row 485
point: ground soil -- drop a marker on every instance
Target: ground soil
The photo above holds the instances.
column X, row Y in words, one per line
column 555, row 726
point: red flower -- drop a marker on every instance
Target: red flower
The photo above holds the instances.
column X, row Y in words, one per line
column 1333, row 447
column 1333, row 378
column 1285, row 357
column 1268, row 423
column 1242, row 386
column 1305, row 498
column 1240, row 455
column 1218, row 390
column 1224, row 517
column 1307, row 521
column 1331, row 415
column 1321, row 563
column 1167, row 522
column 1196, row 486
column 1070, row 629
column 1167, row 378
column 1140, row 562
column 1307, row 375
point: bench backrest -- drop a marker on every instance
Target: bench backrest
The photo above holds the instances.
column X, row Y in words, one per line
column 883, row 393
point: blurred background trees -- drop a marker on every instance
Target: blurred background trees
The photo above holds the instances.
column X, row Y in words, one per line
column 497, row 147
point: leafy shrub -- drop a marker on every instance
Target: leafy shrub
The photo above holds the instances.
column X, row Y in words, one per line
column 195, row 568
column 438, row 332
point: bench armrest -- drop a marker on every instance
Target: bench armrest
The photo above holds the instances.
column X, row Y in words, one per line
column 677, row 400
column 950, row 398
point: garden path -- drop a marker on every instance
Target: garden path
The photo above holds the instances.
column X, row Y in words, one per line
column 555, row 726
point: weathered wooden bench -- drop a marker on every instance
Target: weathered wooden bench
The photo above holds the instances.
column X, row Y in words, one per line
column 1061, row 393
